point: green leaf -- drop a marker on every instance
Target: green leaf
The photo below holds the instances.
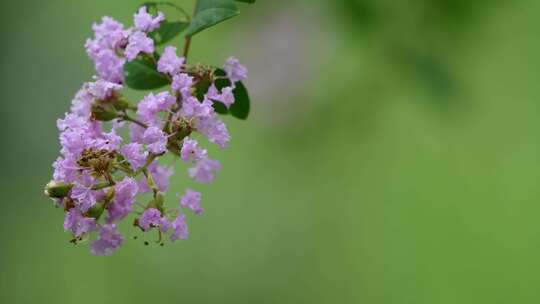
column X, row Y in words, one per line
column 220, row 107
column 142, row 74
column 246, row 1
column 201, row 88
column 241, row 105
column 167, row 31
column 209, row 13
column 153, row 7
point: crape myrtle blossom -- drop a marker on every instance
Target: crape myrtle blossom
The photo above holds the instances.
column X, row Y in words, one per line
column 203, row 167
column 235, row 71
column 155, row 139
column 108, row 241
column 151, row 105
column 192, row 201
column 112, row 44
column 135, row 155
column 109, row 36
column 100, row 176
column 138, row 42
column 180, row 228
column 77, row 223
column 169, row 62
column 182, row 83
column 125, row 193
column 226, row 95
column 145, row 22
column 152, row 218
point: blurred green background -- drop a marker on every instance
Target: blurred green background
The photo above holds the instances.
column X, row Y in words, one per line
column 392, row 156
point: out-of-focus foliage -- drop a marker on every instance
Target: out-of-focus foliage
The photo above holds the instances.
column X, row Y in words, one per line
column 417, row 36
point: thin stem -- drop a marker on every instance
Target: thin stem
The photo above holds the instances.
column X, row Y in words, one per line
column 102, row 185
column 109, row 178
column 150, row 182
column 187, row 44
column 149, row 160
column 133, row 120
column 168, row 122
column 125, row 170
column 159, row 236
column 108, row 198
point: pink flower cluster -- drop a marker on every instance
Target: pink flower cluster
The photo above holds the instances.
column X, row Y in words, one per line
column 100, row 175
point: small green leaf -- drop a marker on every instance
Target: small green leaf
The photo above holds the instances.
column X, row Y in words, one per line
column 220, row 108
column 142, row 74
column 246, row 1
column 241, row 105
column 167, row 31
column 154, row 7
column 209, row 13
column 201, row 88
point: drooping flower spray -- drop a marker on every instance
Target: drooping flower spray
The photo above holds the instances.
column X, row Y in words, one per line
column 99, row 175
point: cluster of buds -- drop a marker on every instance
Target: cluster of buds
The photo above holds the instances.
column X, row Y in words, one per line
column 100, row 175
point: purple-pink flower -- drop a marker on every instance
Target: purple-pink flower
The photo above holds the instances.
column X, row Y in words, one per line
column 193, row 109
column 125, row 193
column 109, row 36
column 108, row 241
column 65, row 169
column 136, row 133
column 151, row 105
column 191, row 200
column 155, row 140
column 182, row 83
column 226, row 96
column 134, row 155
column 235, row 71
column 190, row 150
column 152, row 218
column 215, row 130
column 145, row 22
column 84, row 196
column 77, row 223
column 204, row 170
column 138, row 43
column 180, row 228
column 169, row 62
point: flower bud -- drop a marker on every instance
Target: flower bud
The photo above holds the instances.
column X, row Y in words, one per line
column 181, row 128
column 121, row 104
column 56, row 189
column 96, row 210
column 157, row 202
column 103, row 111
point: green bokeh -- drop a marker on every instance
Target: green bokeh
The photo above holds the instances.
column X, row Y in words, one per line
column 392, row 156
